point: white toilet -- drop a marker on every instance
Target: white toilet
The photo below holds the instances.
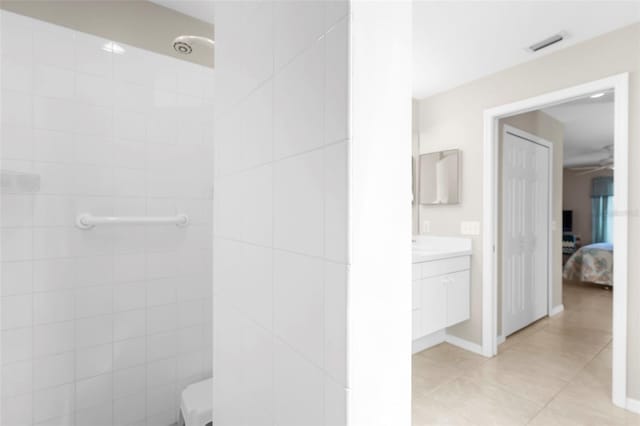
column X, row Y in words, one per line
column 195, row 404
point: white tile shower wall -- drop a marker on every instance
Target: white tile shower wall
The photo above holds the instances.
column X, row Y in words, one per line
column 102, row 327
column 280, row 213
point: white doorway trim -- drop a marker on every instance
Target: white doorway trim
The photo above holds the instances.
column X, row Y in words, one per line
column 620, row 84
column 545, row 143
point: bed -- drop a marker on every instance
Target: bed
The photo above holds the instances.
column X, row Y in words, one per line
column 592, row 263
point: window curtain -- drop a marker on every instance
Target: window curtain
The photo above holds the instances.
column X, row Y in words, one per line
column 602, row 209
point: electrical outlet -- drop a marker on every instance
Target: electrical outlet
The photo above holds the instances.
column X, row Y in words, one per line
column 426, row 226
column 470, row 228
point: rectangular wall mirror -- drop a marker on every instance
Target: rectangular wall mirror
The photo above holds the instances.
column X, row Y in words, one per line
column 439, row 177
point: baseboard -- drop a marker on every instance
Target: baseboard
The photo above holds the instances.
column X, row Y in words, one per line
column 501, row 339
column 464, row 344
column 556, row 310
column 633, row 405
column 430, row 340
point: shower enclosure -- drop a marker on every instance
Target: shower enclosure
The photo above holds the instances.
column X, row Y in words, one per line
column 106, row 218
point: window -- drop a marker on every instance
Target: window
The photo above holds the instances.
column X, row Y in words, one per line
column 602, row 209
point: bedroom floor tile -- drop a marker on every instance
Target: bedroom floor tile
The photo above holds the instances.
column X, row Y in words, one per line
column 557, row 371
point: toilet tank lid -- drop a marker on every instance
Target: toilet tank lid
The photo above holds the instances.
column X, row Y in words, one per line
column 196, row 403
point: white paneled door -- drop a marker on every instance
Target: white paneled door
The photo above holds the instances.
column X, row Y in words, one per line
column 525, row 231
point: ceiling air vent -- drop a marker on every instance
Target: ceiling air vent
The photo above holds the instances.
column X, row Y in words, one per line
column 547, row 42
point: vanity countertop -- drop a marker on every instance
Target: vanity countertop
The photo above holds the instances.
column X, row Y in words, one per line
column 428, row 248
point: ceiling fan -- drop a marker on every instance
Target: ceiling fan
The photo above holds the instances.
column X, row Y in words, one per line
column 605, row 163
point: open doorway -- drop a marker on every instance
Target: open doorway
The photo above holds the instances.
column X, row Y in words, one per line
column 580, row 292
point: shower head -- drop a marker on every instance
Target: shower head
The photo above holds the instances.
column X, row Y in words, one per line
column 184, row 43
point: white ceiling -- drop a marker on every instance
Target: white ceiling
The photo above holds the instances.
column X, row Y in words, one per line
column 588, row 129
column 458, row 42
column 199, row 9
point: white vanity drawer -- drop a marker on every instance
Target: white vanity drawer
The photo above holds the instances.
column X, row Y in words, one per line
column 417, row 328
column 416, row 271
column 445, row 266
column 416, row 294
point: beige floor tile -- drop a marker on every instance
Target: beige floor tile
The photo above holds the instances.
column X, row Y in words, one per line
column 567, row 413
column 484, row 403
column 446, row 354
column 521, row 374
column 428, row 375
column 427, row 411
column 555, row 372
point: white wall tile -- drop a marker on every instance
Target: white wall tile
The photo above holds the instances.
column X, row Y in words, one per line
column 16, row 278
column 298, row 103
column 53, row 306
column 129, row 324
column 295, row 379
column 16, row 75
column 161, row 318
column 242, row 206
column 53, row 45
column 18, row 410
column 53, row 402
column 336, row 86
column 94, row 90
column 94, row 360
column 94, row 391
column 129, row 296
column 17, row 378
column 53, row 370
column 335, row 318
column 94, row 331
column 242, row 270
column 162, row 372
column 51, row 210
column 17, row 142
column 129, row 410
column 335, row 403
column 93, row 301
column 244, row 50
column 50, row 243
column 245, row 135
column 94, row 270
column 84, row 119
column 161, row 346
column 55, row 338
column 16, row 210
column 130, row 382
column 298, row 310
column 53, row 274
column 334, row 11
column 98, row 415
column 16, row 244
column 296, row 26
column 161, row 399
column 298, row 204
column 17, row 344
column 129, row 353
column 17, row 108
column 336, row 202
column 54, row 114
column 53, row 82
column 17, row 311
column 94, row 120
column 91, row 58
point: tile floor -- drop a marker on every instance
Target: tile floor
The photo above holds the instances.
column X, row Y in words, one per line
column 555, row 372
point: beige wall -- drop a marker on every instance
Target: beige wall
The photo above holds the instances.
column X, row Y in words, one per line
column 577, row 197
column 137, row 23
column 454, row 119
column 544, row 126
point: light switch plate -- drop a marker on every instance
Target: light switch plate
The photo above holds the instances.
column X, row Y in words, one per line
column 470, row 228
column 426, row 226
